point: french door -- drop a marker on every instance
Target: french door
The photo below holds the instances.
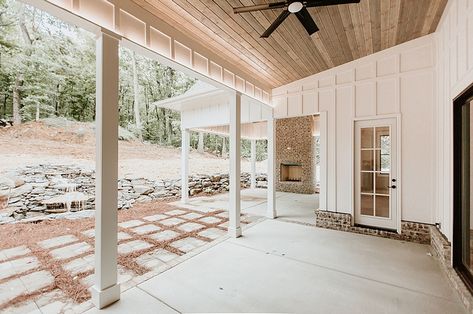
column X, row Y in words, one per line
column 376, row 173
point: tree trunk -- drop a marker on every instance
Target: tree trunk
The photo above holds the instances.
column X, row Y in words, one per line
column 136, row 106
column 16, row 101
column 200, row 145
column 5, row 97
column 224, row 147
column 37, row 112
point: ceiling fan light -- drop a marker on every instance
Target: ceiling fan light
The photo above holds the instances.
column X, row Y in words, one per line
column 295, row 7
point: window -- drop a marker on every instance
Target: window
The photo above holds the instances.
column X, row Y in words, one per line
column 463, row 188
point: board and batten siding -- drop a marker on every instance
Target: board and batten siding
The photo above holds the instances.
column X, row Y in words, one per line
column 454, row 36
column 399, row 81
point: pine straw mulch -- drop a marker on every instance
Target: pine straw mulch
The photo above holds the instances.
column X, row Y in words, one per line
column 29, row 234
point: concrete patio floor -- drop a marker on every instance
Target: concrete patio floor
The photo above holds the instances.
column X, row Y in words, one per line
column 279, row 267
column 290, row 206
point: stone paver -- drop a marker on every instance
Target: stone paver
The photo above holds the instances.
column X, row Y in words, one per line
column 222, row 215
column 133, row 246
column 165, row 235
column 156, row 259
column 18, row 266
column 123, row 276
column 175, row 212
column 131, row 223
column 190, row 226
column 89, row 233
column 212, row 233
column 155, row 217
column 14, row 252
column 146, row 229
column 191, row 216
column 50, row 243
column 224, row 225
column 188, row 244
column 80, row 265
column 121, row 235
column 172, row 221
column 37, row 280
column 70, row 250
column 11, row 289
column 210, row 220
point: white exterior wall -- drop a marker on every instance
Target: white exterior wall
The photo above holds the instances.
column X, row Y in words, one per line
column 455, row 73
column 399, row 81
column 216, row 113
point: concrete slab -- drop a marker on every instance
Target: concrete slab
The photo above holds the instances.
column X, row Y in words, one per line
column 281, row 271
column 135, row 299
column 188, row 244
column 190, row 226
column 290, row 206
column 175, row 212
column 191, row 216
column 210, row 220
column 133, row 246
column 131, row 223
column 164, row 235
column 403, row 264
column 212, row 233
column 144, row 229
column 18, row 266
column 155, row 217
column 80, row 265
column 14, row 252
column 172, row 221
column 71, row 250
column 50, row 243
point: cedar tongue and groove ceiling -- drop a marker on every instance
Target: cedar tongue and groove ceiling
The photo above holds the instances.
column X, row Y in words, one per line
column 347, row 32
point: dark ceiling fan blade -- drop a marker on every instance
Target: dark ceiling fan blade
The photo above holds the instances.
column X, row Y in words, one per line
column 284, row 14
column 307, row 21
column 260, row 7
column 322, row 3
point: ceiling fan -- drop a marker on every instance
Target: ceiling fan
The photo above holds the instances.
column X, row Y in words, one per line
column 299, row 8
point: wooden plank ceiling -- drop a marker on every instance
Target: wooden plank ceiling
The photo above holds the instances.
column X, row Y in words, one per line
column 347, row 32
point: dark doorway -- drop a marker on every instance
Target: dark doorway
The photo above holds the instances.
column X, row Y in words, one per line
column 462, row 187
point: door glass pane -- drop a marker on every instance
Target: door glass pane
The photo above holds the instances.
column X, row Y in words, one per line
column 367, row 182
column 382, row 137
column 367, row 137
column 367, row 207
column 382, row 183
column 367, row 163
column 382, row 206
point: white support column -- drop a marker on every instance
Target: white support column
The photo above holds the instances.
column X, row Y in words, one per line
column 253, row 164
column 185, row 136
column 106, row 290
column 234, row 228
column 271, row 210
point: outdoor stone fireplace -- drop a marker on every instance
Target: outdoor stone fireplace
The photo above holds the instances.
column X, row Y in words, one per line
column 295, row 155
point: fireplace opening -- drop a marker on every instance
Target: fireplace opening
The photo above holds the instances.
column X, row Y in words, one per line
column 291, row 172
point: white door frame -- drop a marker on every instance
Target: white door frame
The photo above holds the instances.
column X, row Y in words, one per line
column 398, row 163
column 323, row 159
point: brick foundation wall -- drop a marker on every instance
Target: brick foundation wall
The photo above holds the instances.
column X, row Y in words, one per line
column 410, row 231
column 442, row 250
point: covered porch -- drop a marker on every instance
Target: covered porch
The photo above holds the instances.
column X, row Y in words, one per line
column 279, row 266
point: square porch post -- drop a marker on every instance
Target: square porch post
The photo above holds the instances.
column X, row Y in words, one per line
column 253, row 164
column 185, row 138
column 271, row 209
column 106, row 290
column 234, row 228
